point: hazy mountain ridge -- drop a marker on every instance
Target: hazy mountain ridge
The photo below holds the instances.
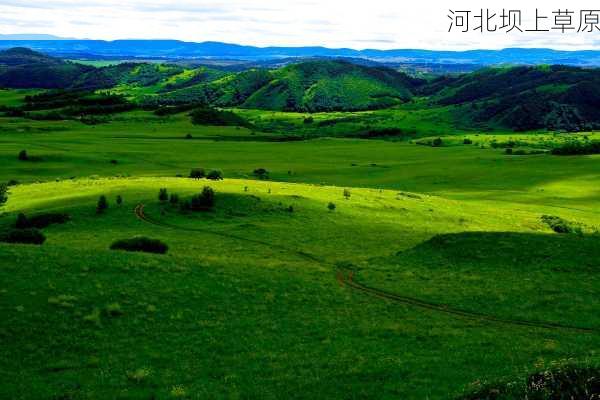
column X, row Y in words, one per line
column 174, row 49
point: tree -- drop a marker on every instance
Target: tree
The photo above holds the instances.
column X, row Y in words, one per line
column 261, row 173
column 215, row 175
column 331, row 207
column 102, row 205
column 197, row 173
column 163, row 195
column 347, row 194
column 119, row 200
column 23, row 155
column 174, row 199
column 437, row 142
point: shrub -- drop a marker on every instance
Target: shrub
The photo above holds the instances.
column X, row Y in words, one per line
column 174, row 199
column 22, row 222
column 331, row 207
column 163, row 195
column 576, row 148
column 24, row 236
column 3, row 193
column 23, row 155
column 140, row 244
column 119, row 200
column 41, row 221
column 215, row 175
column 309, row 120
column 197, row 173
column 189, row 136
column 114, row 162
column 102, row 205
column 204, row 200
column 437, row 142
column 467, row 141
column 508, row 150
column 560, row 225
column 347, row 194
column 12, row 182
column 261, row 173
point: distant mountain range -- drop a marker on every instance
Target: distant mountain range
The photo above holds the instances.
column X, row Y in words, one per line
column 175, row 49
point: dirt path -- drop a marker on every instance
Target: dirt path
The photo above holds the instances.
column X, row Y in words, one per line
column 346, row 279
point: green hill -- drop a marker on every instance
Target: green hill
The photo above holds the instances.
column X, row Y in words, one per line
column 524, row 98
column 24, row 68
column 332, row 85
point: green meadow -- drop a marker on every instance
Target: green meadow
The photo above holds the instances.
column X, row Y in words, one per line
column 267, row 294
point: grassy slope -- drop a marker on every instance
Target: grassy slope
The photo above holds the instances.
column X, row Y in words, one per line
column 223, row 317
column 220, row 316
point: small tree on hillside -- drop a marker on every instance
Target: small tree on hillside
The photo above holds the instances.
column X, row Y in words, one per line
column 331, row 207
column 215, row 175
column 197, row 173
column 23, row 155
column 204, row 200
column 261, row 173
column 347, row 194
column 102, row 205
column 119, row 200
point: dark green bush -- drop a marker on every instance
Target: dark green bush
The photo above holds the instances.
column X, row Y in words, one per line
column 215, row 175
column 261, row 173
column 560, row 225
column 437, row 142
column 163, row 195
column 576, row 148
column 119, row 200
column 467, row 141
column 3, row 193
column 102, row 205
column 23, row 236
column 331, row 207
column 41, row 221
column 197, row 173
column 23, row 155
column 204, row 200
column 211, row 116
column 140, row 244
column 174, row 199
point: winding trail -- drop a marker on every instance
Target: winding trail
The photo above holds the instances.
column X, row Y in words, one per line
column 346, row 279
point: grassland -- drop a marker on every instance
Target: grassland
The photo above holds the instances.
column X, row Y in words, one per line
column 246, row 303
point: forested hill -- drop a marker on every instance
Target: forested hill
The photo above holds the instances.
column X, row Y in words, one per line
column 520, row 98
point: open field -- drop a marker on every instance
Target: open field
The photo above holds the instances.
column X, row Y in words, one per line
column 253, row 298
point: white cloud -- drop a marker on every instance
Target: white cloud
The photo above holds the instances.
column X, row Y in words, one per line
column 334, row 23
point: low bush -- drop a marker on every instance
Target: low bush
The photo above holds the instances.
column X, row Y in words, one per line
column 331, row 207
column 204, row 200
column 577, row 148
column 3, row 193
column 437, row 142
column 102, row 205
column 174, row 199
column 163, row 195
column 560, row 225
column 23, row 236
column 140, row 244
column 23, row 155
column 261, row 173
column 467, row 141
column 41, row 221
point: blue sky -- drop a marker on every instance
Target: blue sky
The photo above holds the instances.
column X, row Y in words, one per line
column 335, row 23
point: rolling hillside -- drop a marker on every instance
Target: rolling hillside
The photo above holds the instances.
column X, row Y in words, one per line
column 524, row 98
column 24, row 68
